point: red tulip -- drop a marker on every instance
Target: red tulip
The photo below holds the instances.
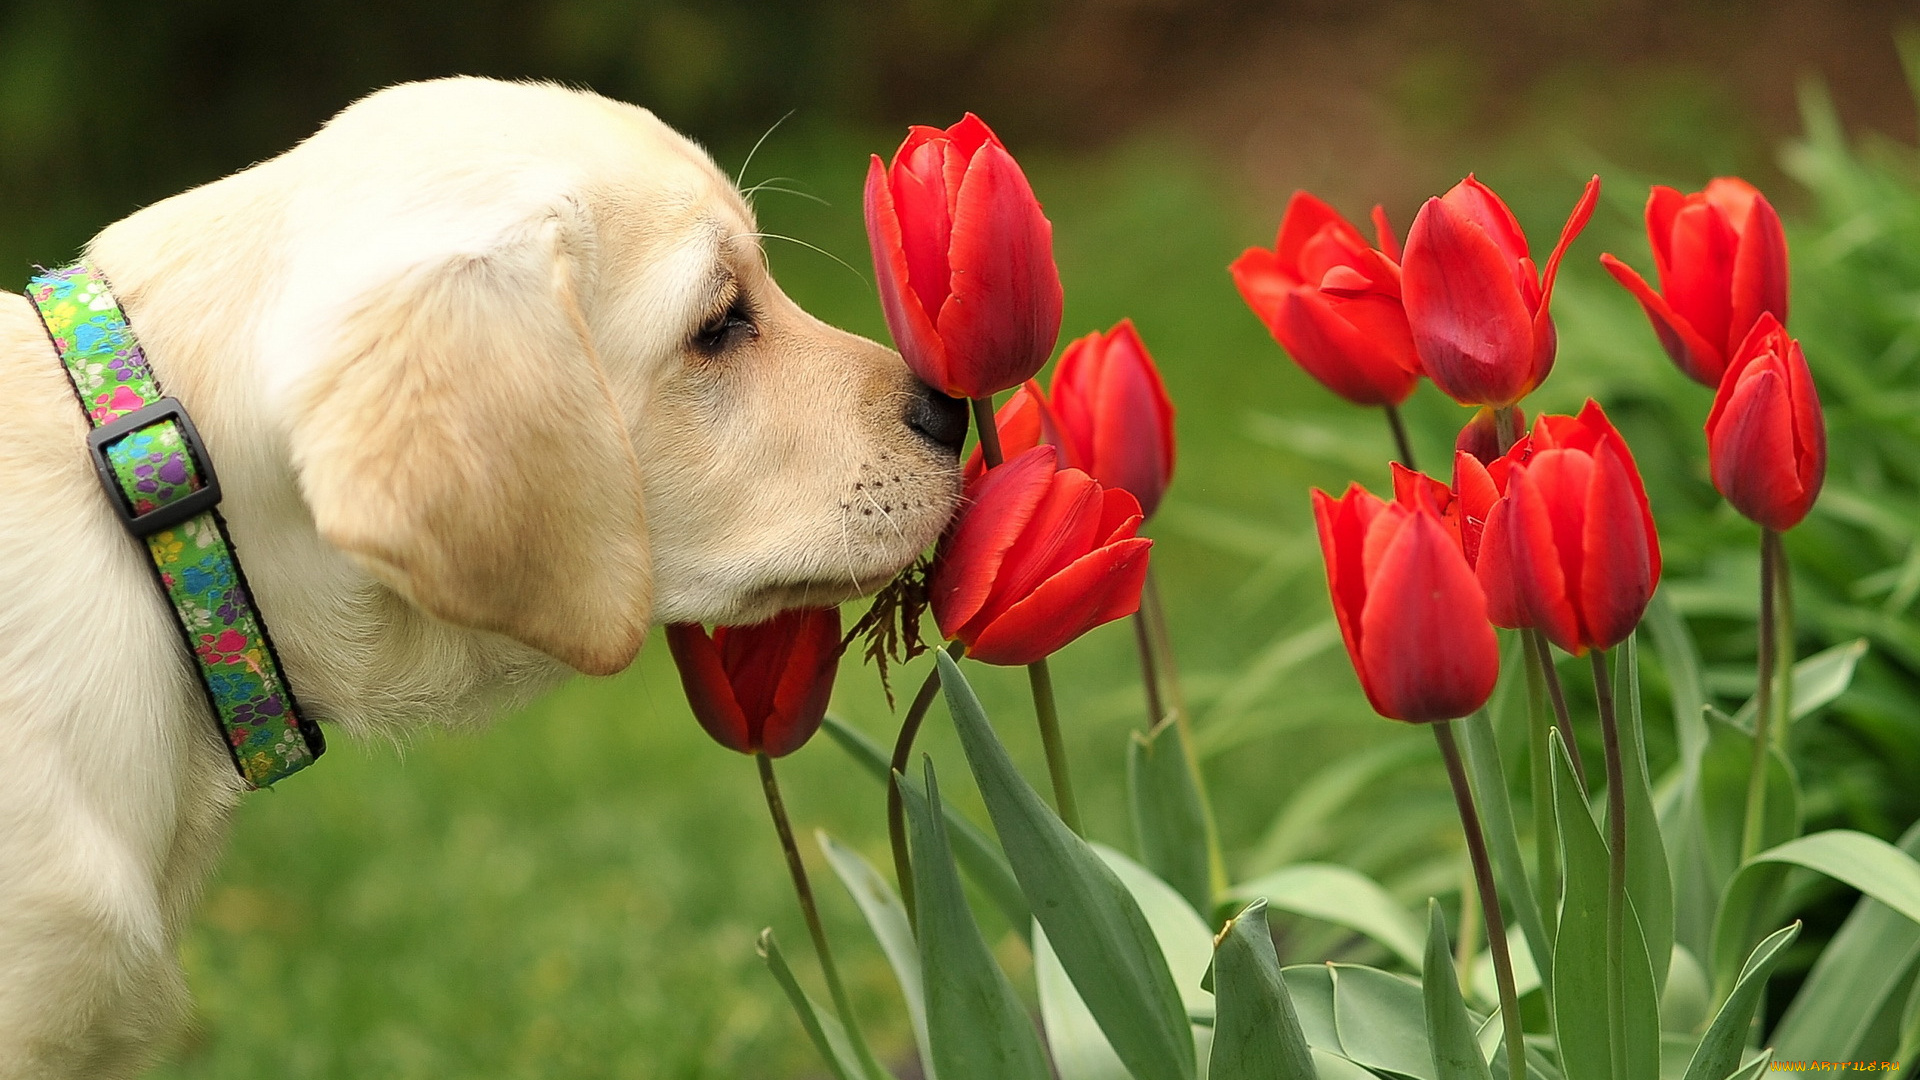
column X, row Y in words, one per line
column 1585, row 557
column 1476, row 303
column 1040, row 555
column 1766, row 437
column 1333, row 302
column 1722, row 260
column 1109, row 416
column 964, row 259
column 760, row 689
column 1414, row 621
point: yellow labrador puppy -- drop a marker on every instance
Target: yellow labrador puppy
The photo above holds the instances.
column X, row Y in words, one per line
column 495, row 378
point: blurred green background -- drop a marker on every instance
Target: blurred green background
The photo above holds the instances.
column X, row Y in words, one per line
column 575, row 892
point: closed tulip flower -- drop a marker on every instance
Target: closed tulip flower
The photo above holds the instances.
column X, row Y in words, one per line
column 1411, row 614
column 1766, row 436
column 1040, row 555
column 1333, row 302
column 1721, row 257
column 1477, row 305
column 964, row 259
column 1585, row 557
column 1109, row 416
column 760, row 689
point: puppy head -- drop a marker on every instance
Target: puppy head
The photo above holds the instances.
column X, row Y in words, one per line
column 555, row 394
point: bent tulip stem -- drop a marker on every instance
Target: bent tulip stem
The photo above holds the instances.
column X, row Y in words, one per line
column 1048, row 716
column 1753, row 834
column 1489, row 896
column 803, row 889
column 1400, row 440
column 989, row 432
column 897, row 765
column 1616, row 863
column 1543, row 659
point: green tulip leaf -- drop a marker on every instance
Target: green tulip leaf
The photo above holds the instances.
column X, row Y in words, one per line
column 828, row 1036
column 1581, row 988
column 1754, row 1069
column 1708, row 822
column 1680, row 660
column 1310, row 987
column 1093, row 923
column 1450, row 1033
column 1169, row 815
column 1341, row 896
column 1382, row 1021
column 1648, row 881
column 1303, row 820
column 1719, row 1051
column 1079, row 1048
column 1256, row 1033
column 1687, row 1000
column 1503, row 841
column 1908, row 1052
column 888, row 920
column 1817, row 681
column 978, row 855
column 1867, row 863
column 1859, row 975
column 977, row 1029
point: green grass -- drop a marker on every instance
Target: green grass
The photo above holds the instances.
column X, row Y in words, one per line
column 575, row 892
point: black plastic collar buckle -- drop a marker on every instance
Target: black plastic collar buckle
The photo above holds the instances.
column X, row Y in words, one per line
column 177, row 511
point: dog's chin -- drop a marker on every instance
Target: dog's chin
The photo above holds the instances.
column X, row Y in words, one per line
column 767, row 601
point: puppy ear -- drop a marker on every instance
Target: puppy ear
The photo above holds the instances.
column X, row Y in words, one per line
column 463, row 444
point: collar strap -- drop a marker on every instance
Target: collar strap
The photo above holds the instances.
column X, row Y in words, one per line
column 161, row 483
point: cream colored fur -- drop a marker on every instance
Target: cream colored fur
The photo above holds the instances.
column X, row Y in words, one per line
column 445, row 357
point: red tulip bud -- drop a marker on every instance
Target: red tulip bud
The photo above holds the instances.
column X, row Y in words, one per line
column 760, row 688
column 1410, row 611
column 1722, row 261
column 1109, row 416
column 1477, row 305
column 964, row 259
column 1585, row 557
column 1040, row 555
column 1333, row 302
column 1766, row 437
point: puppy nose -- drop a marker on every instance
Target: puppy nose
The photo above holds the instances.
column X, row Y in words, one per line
column 939, row 419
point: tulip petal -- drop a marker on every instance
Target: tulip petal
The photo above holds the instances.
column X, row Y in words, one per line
column 923, row 207
column 1342, row 526
column 1065, row 525
column 1543, row 540
column 1336, row 353
column 1003, row 316
column 1618, row 571
column 1383, row 237
column 1699, row 358
column 1576, row 222
column 907, row 318
column 1473, row 334
column 709, row 691
column 1099, row 587
column 1493, row 569
column 997, row 511
column 1700, row 270
column 1108, row 395
column 810, row 661
column 1759, row 269
column 1809, row 426
column 1474, row 201
column 1305, row 217
column 1263, row 281
column 1426, row 645
column 1752, row 455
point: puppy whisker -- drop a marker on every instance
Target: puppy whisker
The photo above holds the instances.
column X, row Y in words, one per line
column 741, row 176
column 813, row 247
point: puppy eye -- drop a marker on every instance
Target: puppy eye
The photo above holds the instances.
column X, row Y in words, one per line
column 727, row 329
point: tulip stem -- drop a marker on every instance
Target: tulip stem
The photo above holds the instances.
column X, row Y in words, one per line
column 1616, row 862
column 897, row 766
column 989, row 431
column 1543, row 659
column 1489, row 897
column 1754, row 834
column 1546, row 841
column 1048, row 715
column 1400, row 439
column 1149, row 669
column 1506, row 427
column 804, row 890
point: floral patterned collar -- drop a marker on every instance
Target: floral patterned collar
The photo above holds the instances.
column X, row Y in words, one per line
column 162, row 485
